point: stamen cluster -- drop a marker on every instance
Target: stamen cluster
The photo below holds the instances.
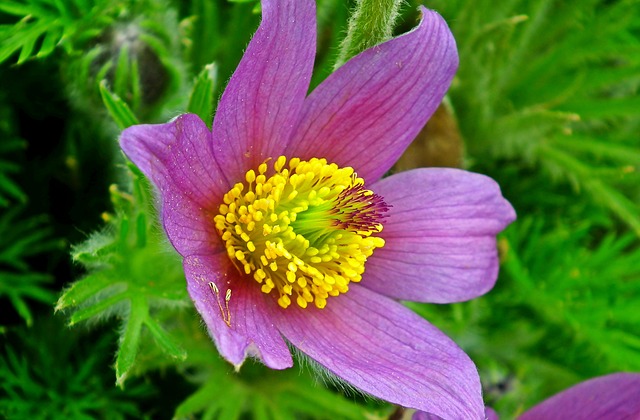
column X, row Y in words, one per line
column 304, row 231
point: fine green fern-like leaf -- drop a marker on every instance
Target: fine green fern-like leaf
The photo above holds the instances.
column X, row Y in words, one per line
column 576, row 291
column 43, row 377
column 44, row 24
column 586, row 177
column 132, row 275
column 21, row 287
column 202, row 95
column 537, row 77
column 270, row 395
column 256, row 391
column 117, row 108
column 8, row 187
column 9, row 148
column 569, row 293
column 21, row 239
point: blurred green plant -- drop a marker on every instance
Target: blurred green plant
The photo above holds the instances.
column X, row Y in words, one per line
column 8, row 188
column 46, row 377
column 131, row 274
column 43, row 25
column 9, row 145
column 23, row 238
column 546, row 83
column 131, row 44
column 571, row 314
column 585, row 295
column 254, row 391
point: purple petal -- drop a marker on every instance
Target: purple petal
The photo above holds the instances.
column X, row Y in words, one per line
column 262, row 101
column 489, row 414
column 440, row 236
column 366, row 113
column 384, row 349
column 178, row 159
column 243, row 327
column 615, row 396
column 422, row 415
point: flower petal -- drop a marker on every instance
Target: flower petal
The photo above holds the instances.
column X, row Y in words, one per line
column 423, row 415
column 489, row 414
column 178, row 159
column 262, row 101
column 440, row 236
column 239, row 325
column 366, row 113
column 384, row 349
column 615, row 396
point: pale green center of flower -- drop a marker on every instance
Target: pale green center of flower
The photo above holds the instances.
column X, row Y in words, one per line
column 304, row 231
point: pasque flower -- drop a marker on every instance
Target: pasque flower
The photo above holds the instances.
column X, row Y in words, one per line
column 610, row 397
column 613, row 397
column 288, row 232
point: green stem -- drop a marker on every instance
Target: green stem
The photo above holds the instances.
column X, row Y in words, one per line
column 370, row 24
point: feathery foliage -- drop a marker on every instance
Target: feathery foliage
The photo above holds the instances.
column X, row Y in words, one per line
column 546, row 101
column 131, row 273
column 23, row 238
column 537, row 86
column 45, row 377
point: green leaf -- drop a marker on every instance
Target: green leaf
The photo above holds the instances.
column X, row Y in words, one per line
column 168, row 344
column 100, row 307
column 50, row 42
column 10, row 188
column 43, row 377
column 601, row 192
column 25, row 33
column 600, row 148
column 130, row 338
column 259, row 392
column 118, row 109
column 122, row 72
column 604, row 108
column 201, row 399
column 15, row 8
column 81, row 291
column 132, row 276
column 205, row 31
column 20, row 239
column 201, row 100
column 25, row 286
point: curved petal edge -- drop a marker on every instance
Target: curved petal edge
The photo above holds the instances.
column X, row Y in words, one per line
column 440, row 236
column 235, row 312
column 366, row 113
column 178, row 159
column 615, row 396
column 386, row 350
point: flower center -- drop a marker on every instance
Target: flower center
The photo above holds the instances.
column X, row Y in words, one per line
column 304, row 232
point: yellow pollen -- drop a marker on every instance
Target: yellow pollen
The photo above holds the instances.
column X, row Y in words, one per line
column 303, row 231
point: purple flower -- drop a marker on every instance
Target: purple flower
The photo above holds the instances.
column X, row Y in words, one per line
column 489, row 414
column 276, row 227
column 612, row 397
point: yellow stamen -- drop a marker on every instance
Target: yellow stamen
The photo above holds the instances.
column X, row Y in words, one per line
column 304, row 231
